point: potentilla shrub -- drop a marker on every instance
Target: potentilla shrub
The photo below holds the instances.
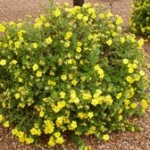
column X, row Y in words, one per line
column 140, row 19
column 72, row 70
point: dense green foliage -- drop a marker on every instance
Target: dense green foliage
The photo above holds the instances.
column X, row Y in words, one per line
column 71, row 70
column 140, row 20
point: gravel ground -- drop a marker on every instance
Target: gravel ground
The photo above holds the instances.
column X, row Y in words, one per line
column 14, row 9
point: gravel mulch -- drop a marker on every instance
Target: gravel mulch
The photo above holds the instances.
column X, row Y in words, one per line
column 14, row 9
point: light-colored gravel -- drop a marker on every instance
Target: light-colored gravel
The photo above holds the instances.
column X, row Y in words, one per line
column 14, row 9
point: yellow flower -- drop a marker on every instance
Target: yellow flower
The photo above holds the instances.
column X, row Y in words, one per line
column 101, row 15
column 1, row 118
column 35, row 67
column 63, row 77
column 119, row 20
column 29, row 140
column 120, row 117
column 57, row 12
column 6, row 124
column 140, row 42
column 14, row 62
column 73, row 125
column 47, row 24
column 14, row 131
column 48, row 40
column 68, row 35
column 39, row 74
column 2, row 62
column 129, row 79
column 144, row 104
column 133, row 105
column 52, row 83
column 35, row 131
column 60, row 140
column 142, row 73
column 57, row 134
column 74, row 82
column 78, row 49
column 81, row 115
column 119, row 95
column 125, row 61
column 59, row 121
column 108, row 100
column 94, row 102
column 90, row 114
column 79, row 16
column 85, row 18
column 51, row 142
column 105, row 137
column 2, row 28
column 61, row 104
column 17, row 95
column 122, row 39
column 130, row 70
column 34, row 45
column 109, row 42
column 62, row 94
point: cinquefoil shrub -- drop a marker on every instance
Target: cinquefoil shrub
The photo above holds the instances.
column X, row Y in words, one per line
column 140, row 19
column 71, row 70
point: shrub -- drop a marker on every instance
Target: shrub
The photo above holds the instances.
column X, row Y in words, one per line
column 72, row 70
column 140, row 20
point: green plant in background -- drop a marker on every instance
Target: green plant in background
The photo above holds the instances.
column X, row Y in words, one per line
column 140, row 19
column 72, row 70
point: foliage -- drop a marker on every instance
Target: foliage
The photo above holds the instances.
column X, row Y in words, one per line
column 72, row 70
column 140, row 20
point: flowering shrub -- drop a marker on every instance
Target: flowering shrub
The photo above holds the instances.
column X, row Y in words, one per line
column 71, row 70
column 140, row 20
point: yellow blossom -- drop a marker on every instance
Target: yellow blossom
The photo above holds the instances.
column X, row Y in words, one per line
column 78, row 49
column 122, row 39
column 2, row 28
column 2, row 62
column 57, row 12
column 17, row 95
column 73, row 125
column 29, row 140
column 48, row 40
column 108, row 100
column 35, row 67
column 39, row 74
column 101, row 15
column 35, row 131
column 60, row 140
column 62, row 94
column 125, row 61
column 105, row 137
column 68, row 35
column 144, row 104
column 1, row 118
column 133, row 105
column 6, row 124
column 74, row 82
column 34, row 45
column 119, row 20
column 142, row 73
column 129, row 79
column 79, row 16
column 51, row 142
column 119, row 95
column 14, row 62
column 63, row 77
column 109, row 42
column 90, row 114
column 51, row 82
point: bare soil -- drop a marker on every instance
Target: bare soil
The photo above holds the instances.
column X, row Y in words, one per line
column 14, row 9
